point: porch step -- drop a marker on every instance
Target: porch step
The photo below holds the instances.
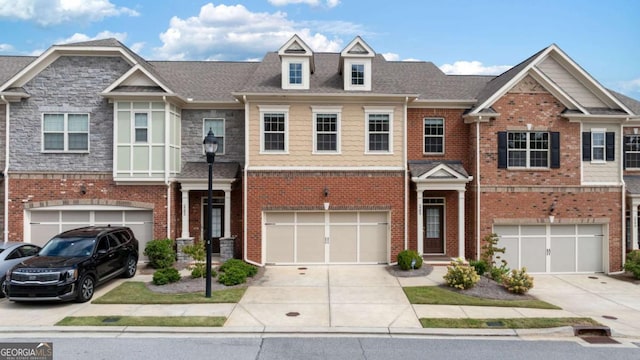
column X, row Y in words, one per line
column 437, row 260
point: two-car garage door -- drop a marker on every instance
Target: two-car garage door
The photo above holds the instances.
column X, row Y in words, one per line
column 45, row 223
column 326, row 237
column 553, row 248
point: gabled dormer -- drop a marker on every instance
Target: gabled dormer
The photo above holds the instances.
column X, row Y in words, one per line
column 297, row 64
column 355, row 65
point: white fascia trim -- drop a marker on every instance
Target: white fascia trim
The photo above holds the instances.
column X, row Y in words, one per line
column 557, row 91
column 131, row 71
column 442, row 104
column 325, row 168
column 86, row 208
column 590, row 183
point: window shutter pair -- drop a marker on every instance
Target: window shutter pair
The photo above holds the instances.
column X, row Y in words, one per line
column 610, row 146
column 555, row 149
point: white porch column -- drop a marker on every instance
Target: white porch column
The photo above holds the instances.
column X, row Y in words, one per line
column 420, row 225
column 185, row 214
column 461, row 221
column 634, row 225
column 227, row 213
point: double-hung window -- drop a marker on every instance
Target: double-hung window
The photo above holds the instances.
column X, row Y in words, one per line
column 295, row 73
column 528, row 149
column 597, row 145
column 65, row 132
column 632, row 151
column 217, row 127
column 433, row 136
column 141, row 125
column 379, row 130
column 357, row 74
column 326, row 130
column 273, row 128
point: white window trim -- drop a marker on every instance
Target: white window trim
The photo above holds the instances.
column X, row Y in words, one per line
column 205, row 131
column 284, row 109
column 627, row 152
column 387, row 110
column 347, row 74
column 604, row 146
column 528, row 151
column 327, row 110
column 65, row 133
column 424, row 136
column 148, row 127
column 305, row 73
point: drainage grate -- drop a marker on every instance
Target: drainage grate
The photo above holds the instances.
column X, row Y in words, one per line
column 302, row 268
column 609, row 317
column 495, row 324
column 599, row 340
column 110, row 319
column 293, row 313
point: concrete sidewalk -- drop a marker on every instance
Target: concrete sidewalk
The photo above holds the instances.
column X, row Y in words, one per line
column 355, row 299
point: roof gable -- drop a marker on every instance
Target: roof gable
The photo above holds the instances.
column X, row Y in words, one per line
column 137, row 76
column 557, row 73
column 357, row 48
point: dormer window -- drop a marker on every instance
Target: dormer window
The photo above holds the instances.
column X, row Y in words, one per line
column 357, row 74
column 295, row 73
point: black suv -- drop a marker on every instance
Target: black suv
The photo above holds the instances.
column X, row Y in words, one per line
column 73, row 263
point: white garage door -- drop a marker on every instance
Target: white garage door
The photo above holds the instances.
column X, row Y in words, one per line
column 45, row 223
column 326, row 237
column 553, row 248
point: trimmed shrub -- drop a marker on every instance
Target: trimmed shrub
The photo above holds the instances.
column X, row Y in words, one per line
column 406, row 257
column 518, row 281
column 498, row 273
column 480, row 266
column 160, row 252
column 235, row 271
column 632, row 264
column 165, row 276
column 461, row 275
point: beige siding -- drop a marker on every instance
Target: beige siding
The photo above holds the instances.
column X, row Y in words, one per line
column 569, row 83
column 352, row 139
column 608, row 172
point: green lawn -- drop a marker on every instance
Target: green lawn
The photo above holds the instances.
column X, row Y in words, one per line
column 436, row 295
column 177, row 321
column 511, row 323
column 135, row 292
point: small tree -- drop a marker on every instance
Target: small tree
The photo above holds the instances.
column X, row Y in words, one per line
column 198, row 253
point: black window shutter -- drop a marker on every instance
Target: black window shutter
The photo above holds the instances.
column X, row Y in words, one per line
column 502, row 149
column 586, row 146
column 610, row 139
column 555, row 150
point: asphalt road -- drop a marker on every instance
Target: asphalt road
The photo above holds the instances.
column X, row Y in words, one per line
column 194, row 346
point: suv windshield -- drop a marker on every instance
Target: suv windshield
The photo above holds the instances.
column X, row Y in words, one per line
column 68, row 247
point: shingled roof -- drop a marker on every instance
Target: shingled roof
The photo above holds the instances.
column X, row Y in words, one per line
column 11, row 65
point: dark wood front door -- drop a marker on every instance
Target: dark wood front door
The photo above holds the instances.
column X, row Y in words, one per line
column 217, row 225
column 433, row 227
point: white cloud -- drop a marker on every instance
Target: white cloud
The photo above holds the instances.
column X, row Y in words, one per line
column 329, row 3
column 232, row 32
column 630, row 85
column 53, row 12
column 473, row 68
column 137, row 47
column 78, row 37
column 391, row 56
column 5, row 48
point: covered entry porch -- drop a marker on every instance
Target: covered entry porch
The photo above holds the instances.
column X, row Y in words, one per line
column 439, row 185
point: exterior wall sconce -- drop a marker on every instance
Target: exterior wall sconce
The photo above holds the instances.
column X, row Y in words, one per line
column 529, row 127
column 552, row 210
column 326, row 191
column 83, row 189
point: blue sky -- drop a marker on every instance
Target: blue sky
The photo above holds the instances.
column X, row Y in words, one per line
column 461, row 37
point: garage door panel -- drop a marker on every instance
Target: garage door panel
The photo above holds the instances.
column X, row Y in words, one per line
column 373, row 217
column 281, row 243
column 109, row 217
column 504, row 230
column 41, row 233
column 559, row 230
column 311, row 244
column 343, row 217
column 511, row 252
column 590, row 254
column 344, row 244
column 45, row 216
column 76, row 216
column 534, row 252
column 373, row 243
column 563, row 254
column 529, row 230
column 280, row 217
column 310, row 218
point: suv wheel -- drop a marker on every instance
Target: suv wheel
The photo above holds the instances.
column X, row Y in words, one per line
column 131, row 267
column 86, row 287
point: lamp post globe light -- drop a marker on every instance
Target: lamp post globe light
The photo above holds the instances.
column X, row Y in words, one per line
column 210, row 148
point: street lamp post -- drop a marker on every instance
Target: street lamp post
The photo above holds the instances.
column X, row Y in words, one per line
column 210, row 147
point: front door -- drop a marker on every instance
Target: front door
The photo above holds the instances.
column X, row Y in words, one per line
column 433, row 229
column 217, row 224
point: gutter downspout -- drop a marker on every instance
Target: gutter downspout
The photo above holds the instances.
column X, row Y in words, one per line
column 244, row 183
column 623, row 239
column 6, row 169
column 478, row 188
column 406, row 178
